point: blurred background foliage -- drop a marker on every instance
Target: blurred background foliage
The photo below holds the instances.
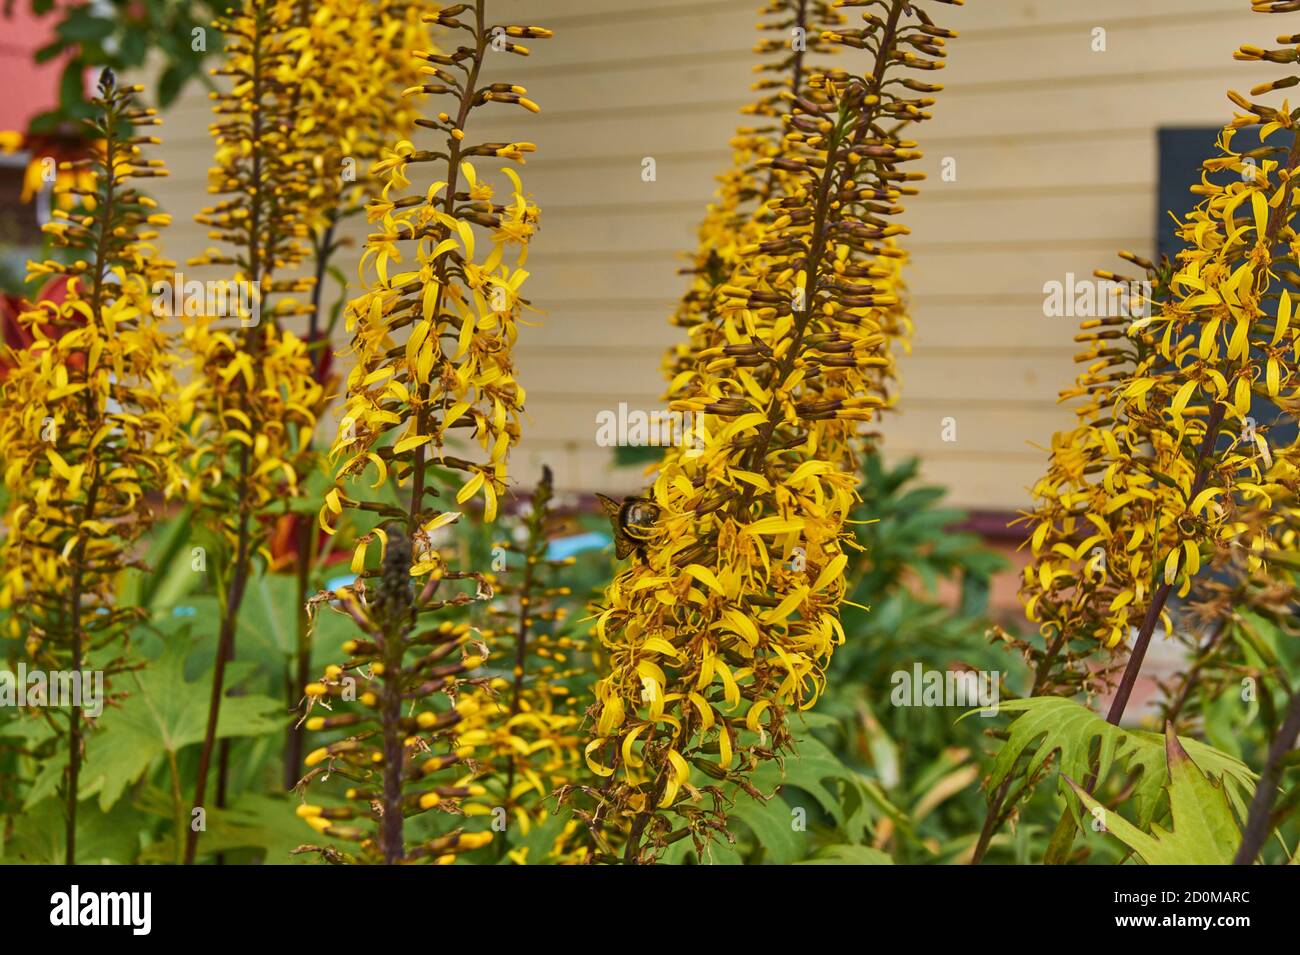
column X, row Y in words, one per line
column 174, row 36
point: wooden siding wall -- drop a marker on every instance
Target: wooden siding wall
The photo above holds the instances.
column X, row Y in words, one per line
column 1056, row 169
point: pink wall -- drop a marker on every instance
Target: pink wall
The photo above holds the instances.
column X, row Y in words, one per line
column 26, row 88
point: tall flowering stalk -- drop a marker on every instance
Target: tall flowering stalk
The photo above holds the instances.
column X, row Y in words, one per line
column 432, row 341
column 732, row 616
column 1167, row 458
column 260, row 399
column 91, row 431
column 527, row 727
column 352, row 63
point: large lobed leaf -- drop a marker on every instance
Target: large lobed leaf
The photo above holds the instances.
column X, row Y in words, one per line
column 164, row 713
column 1074, row 732
column 1203, row 830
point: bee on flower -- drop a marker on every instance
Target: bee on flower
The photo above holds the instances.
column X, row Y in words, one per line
column 729, row 622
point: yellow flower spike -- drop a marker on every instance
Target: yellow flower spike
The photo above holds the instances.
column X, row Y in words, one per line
column 747, row 541
column 424, row 280
column 92, row 433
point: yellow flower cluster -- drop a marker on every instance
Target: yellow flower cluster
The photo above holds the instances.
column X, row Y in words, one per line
column 353, row 61
column 67, row 176
column 433, row 336
column 731, row 222
column 1168, row 463
column 732, row 616
column 253, row 382
column 432, row 339
column 91, row 430
column 260, row 167
column 95, row 416
column 742, row 214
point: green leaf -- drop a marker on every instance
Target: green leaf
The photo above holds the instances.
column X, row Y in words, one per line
column 1072, row 730
column 169, row 85
column 771, row 825
column 81, row 27
column 811, row 768
column 254, row 821
column 169, row 575
column 848, row 855
column 71, row 92
column 163, row 713
column 1204, row 831
column 40, row 835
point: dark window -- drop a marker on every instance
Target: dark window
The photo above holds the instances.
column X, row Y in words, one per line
column 1181, row 152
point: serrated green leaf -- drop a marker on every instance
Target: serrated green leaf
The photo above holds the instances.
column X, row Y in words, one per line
column 1062, row 726
column 39, row 835
column 772, row 829
column 253, row 821
column 163, row 713
column 1203, row 831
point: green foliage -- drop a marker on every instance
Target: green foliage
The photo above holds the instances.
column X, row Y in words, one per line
column 1083, row 741
column 791, row 809
column 1203, row 830
column 164, row 712
column 848, row 855
column 123, row 34
column 921, row 765
column 38, row 836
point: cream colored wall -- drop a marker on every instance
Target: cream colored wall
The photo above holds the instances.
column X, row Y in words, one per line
column 1056, row 169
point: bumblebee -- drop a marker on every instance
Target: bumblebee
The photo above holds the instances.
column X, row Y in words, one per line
column 633, row 521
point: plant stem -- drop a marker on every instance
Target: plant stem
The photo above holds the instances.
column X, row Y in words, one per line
column 301, row 672
column 993, row 817
column 449, row 205
column 178, row 807
column 521, row 655
column 391, row 834
column 77, row 557
column 243, row 546
column 1064, row 837
column 225, row 652
column 74, row 716
column 1259, row 819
